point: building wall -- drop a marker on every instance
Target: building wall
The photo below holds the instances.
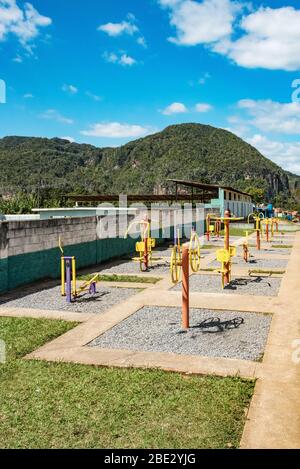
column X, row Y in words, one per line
column 239, row 204
column 29, row 249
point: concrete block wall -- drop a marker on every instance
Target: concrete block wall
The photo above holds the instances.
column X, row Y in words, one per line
column 29, row 249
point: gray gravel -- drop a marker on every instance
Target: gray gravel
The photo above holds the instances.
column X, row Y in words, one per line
column 130, row 267
column 157, row 329
column 280, row 251
column 51, row 299
column 255, row 253
column 286, row 239
column 167, row 252
column 256, row 263
column 255, row 285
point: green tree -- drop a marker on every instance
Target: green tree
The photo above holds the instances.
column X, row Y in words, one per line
column 257, row 194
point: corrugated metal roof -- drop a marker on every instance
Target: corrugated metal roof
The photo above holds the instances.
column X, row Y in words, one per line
column 204, row 186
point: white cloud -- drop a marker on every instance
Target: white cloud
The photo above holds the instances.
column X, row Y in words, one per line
column 24, row 23
column 142, row 41
column 120, row 58
column 127, row 26
column 203, row 107
column 28, row 96
column 55, row 115
column 204, row 78
column 263, row 38
column 115, row 130
column 271, row 116
column 169, row 3
column 271, row 40
column 117, row 29
column 71, row 139
column 18, row 59
column 70, row 89
column 174, row 108
column 93, row 96
column 110, row 57
column 126, row 60
column 201, row 23
column 285, row 154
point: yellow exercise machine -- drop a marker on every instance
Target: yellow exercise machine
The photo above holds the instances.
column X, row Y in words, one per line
column 225, row 255
column 212, row 229
column 269, row 228
column 68, row 278
column 176, row 256
column 246, row 252
column 257, row 217
column 145, row 246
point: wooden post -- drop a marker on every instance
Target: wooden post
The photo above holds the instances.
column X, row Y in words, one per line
column 185, row 287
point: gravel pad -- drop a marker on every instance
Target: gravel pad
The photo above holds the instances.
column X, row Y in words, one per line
column 254, row 285
column 131, row 267
column 255, row 263
column 51, row 299
column 168, row 252
column 228, row 334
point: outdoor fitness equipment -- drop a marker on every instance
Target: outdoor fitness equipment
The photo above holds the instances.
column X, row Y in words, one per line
column 246, row 248
column 145, row 246
column 268, row 223
column 258, row 220
column 194, row 256
column 176, row 259
column 68, row 278
column 212, row 229
column 224, row 255
column 274, row 225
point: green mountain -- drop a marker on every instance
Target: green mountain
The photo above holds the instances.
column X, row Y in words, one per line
column 187, row 151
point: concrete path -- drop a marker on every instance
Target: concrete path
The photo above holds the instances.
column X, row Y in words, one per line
column 274, row 415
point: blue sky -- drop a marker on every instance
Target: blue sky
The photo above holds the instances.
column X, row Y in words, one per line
column 106, row 72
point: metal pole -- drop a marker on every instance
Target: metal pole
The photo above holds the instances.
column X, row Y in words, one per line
column 146, row 232
column 74, row 288
column 207, row 227
column 146, row 252
column 185, row 287
column 227, row 214
column 267, row 230
column 68, row 280
column 62, row 266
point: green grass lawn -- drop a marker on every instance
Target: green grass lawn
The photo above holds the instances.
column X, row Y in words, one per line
column 239, row 231
column 119, row 278
column 282, row 246
column 56, row 405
